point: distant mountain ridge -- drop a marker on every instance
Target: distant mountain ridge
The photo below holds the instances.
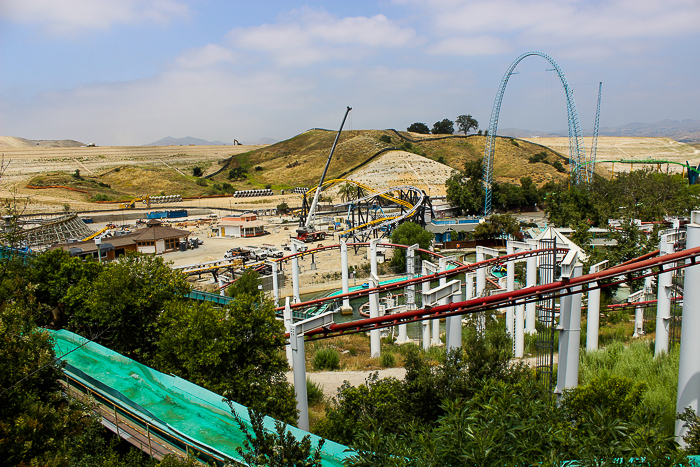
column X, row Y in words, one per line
column 190, row 141
column 685, row 131
column 186, row 141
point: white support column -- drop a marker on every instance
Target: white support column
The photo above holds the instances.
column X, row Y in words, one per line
column 410, row 290
column 451, row 321
column 510, row 286
column 344, row 271
column 425, row 287
column 374, row 336
column 275, row 284
column 296, row 338
column 454, row 325
column 520, row 331
column 569, row 328
column 288, row 322
column 689, row 363
column 222, row 290
column 663, row 297
column 295, row 270
column 593, row 312
column 531, row 308
column 638, row 313
column 480, row 273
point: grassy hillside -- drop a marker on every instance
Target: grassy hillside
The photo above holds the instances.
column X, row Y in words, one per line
column 299, row 161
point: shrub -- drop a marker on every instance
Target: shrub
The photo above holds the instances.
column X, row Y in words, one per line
column 514, row 143
column 314, row 393
column 692, row 436
column 227, row 187
column 387, row 359
column 557, row 165
column 282, row 207
column 197, row 171
column 258, row 168
column 201, row 182
column 441, row 160
column 615, row 396
column 618, row 316
column 326, row 359
column 385, row 139
column 101, row 197
column 268, row 186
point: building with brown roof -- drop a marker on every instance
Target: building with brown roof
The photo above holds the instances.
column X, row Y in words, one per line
column 154, row 239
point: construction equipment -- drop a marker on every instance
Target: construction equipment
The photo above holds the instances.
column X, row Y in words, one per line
column 131, row 204
column 306, row 231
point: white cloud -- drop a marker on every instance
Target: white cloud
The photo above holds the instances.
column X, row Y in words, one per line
column 561, row 24
column 471, row 46
column 311, row 36
column 207, row 56
column 70, row 17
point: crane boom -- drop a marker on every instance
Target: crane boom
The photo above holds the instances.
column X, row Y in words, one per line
column 312, row 209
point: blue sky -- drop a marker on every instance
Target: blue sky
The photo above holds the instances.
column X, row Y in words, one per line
column 129, row 72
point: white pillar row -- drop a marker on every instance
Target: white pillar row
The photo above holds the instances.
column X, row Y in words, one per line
column 375, row 341
column 663, row 297
column 593, row 312
column 222, row 290
column 295, row 270
column 344, row 271
column 569, row 328
column 689, row 363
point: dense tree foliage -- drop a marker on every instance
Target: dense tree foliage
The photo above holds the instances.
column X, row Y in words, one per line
column 465, row 189
column 641, row 194
column 466, row 123
column 408, row 233
column 478, row 410
column 503, row 226
column 122, row 304
column 236, row 351
column 246, row 284
column 275, row 449
column 419, row 127
column 443, row 127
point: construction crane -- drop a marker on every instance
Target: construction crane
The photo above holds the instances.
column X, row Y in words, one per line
column 131, row 204
column 307, row 232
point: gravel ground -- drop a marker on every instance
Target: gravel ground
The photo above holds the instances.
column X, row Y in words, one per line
column 330, row 381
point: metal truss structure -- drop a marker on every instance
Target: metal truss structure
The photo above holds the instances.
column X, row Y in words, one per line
column 577, row 153
column 375, row 214
column 56, row 230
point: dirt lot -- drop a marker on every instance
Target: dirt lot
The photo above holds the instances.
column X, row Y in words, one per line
column 615, row 148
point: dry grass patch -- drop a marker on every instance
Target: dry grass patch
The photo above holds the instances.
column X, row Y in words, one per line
column 354, row 351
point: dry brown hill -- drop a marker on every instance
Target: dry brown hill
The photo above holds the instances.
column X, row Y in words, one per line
column 15, row 142
column 299, row 161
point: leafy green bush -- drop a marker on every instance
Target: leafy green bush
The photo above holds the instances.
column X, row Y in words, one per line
column 385, row 139
column 326, row 359
column 101, row 197
column 558, row 165
column 618, row 316
column 314, row 393
column 615, row 396
column 197, row 171
column 201, row 182
column 258, row 168
column 387, row 359
column 692, row 436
